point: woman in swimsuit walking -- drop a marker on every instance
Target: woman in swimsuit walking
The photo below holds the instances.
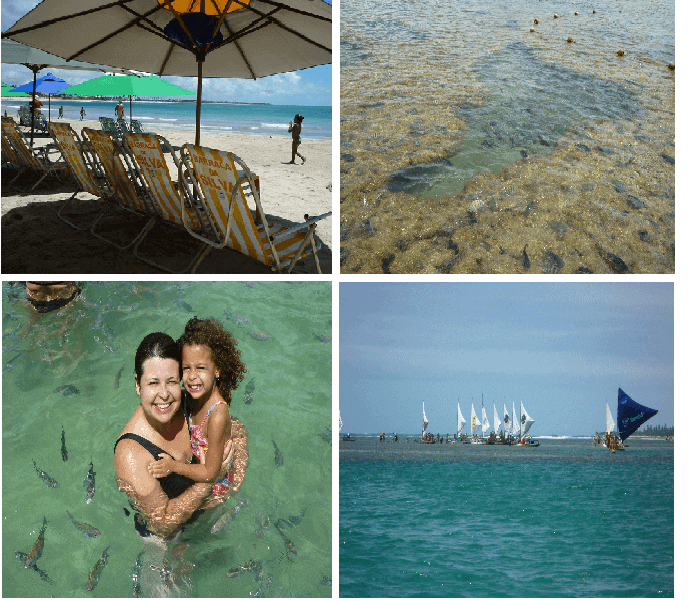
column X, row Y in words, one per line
column 158, row 428
column 211, row 369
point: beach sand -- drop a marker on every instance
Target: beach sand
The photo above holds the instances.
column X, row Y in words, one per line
column 35, row 241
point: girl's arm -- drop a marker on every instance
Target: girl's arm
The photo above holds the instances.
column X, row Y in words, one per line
column 217, row 421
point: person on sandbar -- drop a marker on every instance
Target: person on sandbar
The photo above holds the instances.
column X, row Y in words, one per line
column 295, row 130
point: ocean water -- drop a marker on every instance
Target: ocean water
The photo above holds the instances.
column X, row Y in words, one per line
column 565, row 519
column 258, row 119
column 87, row 346
column 464, row 136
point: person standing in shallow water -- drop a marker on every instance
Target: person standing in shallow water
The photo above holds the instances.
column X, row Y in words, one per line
column 295, row 130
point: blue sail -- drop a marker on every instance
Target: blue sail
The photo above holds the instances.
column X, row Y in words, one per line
column 631, row 415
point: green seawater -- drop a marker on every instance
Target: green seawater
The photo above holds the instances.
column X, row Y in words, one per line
column 565, row 519
column 86, row 346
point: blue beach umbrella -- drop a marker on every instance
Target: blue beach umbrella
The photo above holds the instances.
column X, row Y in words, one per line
column 48, row 84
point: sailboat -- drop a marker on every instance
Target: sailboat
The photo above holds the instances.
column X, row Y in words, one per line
column 474, row 427
column 348, row 436
column 526, row 423
column 429, row 439
column 460, row 423
column 494, row 439
column 486, row 424
column 629, row 417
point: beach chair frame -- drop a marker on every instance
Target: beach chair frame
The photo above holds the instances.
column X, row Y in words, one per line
column 212, row 173
column 128, row 194
column 109, row 125
column 37, row 160
column 86, row 171
column 147, row 153
column 122, row 125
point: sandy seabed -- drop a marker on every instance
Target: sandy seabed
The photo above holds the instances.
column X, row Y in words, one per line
column 35, row 241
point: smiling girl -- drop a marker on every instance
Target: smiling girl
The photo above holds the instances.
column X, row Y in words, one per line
column 211, row 369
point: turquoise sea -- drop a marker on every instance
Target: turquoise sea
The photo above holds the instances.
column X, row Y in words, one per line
column 258, row 119
column 565, row 519
column 73, row 369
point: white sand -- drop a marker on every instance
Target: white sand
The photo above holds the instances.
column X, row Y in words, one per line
column 35, row 241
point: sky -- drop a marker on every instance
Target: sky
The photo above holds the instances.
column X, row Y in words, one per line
column 308, row 87
column 562, row 349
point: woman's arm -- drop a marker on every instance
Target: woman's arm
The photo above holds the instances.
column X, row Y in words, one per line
column 217, row 427
column 164, row 516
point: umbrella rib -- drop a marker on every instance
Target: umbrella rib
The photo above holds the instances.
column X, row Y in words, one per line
column 280, row 6
column 239, row 48
column 64, row 18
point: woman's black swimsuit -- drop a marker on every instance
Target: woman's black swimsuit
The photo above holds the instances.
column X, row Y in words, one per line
column 172, row 485
column 54, row 304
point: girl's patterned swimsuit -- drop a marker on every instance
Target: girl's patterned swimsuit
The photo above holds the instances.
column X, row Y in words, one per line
column 198, row 439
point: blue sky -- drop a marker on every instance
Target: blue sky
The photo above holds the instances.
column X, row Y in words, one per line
column 561, row 349
column 308, row 87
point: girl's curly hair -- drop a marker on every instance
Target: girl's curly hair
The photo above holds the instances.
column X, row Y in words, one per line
column 225, row 353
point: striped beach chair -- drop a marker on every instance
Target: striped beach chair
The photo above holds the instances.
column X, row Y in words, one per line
column 129, row 194
column 223, row 188
column 110, row 126
column 148, row 151
column 86, row 171
column 122, row 125
column 37, row 161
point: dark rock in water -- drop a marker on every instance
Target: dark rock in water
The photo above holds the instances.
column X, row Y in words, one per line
column 583, row 270
column 605, row 151
column 347, row 158
column 620, row 187
column 636, row 203
column 668, row 159
column 526, row 260
column 556, row 260
column 617, row 264
column 558, row 227
column 488, row 144
column 386, row 262
column 583, row 147
column 524, row 154
column 367, row 228
column 531, row 205
column 589, row 186
column 643, row 235
column 543, row 142
column 501, row 251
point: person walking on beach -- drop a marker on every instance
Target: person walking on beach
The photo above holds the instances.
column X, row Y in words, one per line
column 59, row 116
column 83, row 113
column 295, row 130
column 119, row 110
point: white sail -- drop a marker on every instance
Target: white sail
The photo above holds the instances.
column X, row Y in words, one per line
column 340, row 421
column 515, row 423
column 486, row 424
column 610, row 421
column 425, row 420
column 526, row 420
column 460, row 421
column 497, row 423
column 474, row 420
column 507, row 421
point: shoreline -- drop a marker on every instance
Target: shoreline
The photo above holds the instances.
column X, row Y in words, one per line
column 287, row 191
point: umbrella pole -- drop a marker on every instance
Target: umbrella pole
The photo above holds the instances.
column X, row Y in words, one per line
column 130, row 112
column 48, row 108
column 199, row 94
column 33, row 107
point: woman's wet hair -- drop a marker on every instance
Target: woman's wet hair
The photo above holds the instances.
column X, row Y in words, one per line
column 159, row 345
column 222, row 345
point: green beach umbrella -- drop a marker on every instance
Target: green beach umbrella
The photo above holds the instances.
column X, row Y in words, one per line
column 127, row 85
column 6, row 91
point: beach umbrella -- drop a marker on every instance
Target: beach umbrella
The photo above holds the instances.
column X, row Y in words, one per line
column 48, row 84
column 6, row 91
column 15, row 53
column 127, row 86
column 204, row 38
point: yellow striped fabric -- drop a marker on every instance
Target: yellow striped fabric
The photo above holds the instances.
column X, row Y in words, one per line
column 23, row 153
column 104, row 148
column 151, row 161
column 8, row 152
column 64, row 137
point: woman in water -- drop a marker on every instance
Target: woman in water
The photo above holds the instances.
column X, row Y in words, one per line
column 158, row 427
column 211, row 369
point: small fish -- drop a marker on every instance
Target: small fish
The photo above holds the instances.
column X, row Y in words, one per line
column 324, row 338
column 287, row 542
column 250, row 284
column 616, row 263
column 97, row 570
column 227, row 517
column 44, row 575
column 556, row 260
column 526, row 260
column 238, row 317
column 250, row 387
column 296, row 519
column 326, row 435
column 250, row 566
column 87, row 529
column 90, row 483
column 118, row 376
column 37, row 549
column 46, row 477
column 248, row 398
column 259, row 335
column 64, row 446
column 279, row 458
column 67, row 390
column 186, row 306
